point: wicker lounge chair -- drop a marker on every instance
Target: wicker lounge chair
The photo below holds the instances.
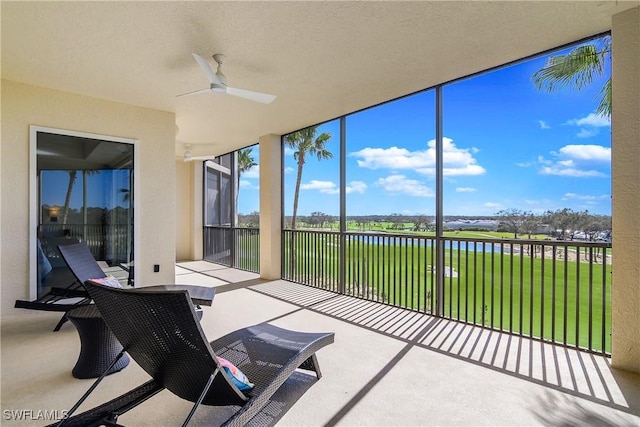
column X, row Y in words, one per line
column 80, row 261
column 160, row 331
column 84, row 267
column 57, row 298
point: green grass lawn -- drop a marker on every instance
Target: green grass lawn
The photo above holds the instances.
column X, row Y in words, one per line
column 514, row 292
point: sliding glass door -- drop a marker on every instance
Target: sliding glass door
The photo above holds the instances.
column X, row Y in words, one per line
column 84, row 194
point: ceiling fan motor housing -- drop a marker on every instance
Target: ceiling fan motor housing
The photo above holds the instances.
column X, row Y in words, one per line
column 218, row 82
column 219, row 88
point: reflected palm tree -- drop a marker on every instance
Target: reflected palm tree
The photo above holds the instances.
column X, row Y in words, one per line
column 73, row 175
column 126, row 194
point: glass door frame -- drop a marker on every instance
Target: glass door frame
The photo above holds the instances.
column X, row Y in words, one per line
column 33, row 192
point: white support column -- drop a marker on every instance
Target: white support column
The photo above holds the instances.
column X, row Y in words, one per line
column 270, row 207
column 626, row 190
column 189, row 206
column 197, row 243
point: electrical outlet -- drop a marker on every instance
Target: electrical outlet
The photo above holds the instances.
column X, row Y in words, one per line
column 156, row 268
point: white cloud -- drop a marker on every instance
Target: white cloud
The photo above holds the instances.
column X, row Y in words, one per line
column 288, row 151
column 593, row 120
column 585, row 197
column 288, row 169
column 254, row 172
column 544, row 161
column 492, row 205
column 466, row 189
column 587, row 152
column 576, row 161
column 543, row 124
column 560, row 170
column 356, row 187
column 399, row 184
column 526, row 164
column 587, row 133
column 326, row 187
column 467, row 170
column 392, row 158
column 566, row 163
column 457, row 161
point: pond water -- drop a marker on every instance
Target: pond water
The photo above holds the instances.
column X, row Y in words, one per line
column 430, row 242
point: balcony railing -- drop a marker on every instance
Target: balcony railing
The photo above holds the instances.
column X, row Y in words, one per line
column 110, row 242
column 233, row 246
column 555, row 291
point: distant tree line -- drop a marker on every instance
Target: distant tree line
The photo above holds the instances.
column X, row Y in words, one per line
column 95, row 215
column 564, row 224
column 251, row 220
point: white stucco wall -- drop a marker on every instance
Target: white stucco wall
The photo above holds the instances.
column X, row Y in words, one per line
column 25, row 105
column 626, row 190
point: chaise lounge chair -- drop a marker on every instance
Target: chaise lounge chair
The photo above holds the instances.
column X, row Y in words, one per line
column 60, row 299
column 84, row 267
column 161, row 332
column 80, row 261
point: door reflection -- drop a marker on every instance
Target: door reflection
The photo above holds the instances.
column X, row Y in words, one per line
column 85, row 193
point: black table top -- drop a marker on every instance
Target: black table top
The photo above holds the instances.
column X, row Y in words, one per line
column 200, row 295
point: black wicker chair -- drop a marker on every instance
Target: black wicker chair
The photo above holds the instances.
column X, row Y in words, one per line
column 84, row 266
column 160, row 331
column 80, row 260
column 56, row 298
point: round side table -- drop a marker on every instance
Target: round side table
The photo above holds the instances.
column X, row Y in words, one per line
column 98, row 346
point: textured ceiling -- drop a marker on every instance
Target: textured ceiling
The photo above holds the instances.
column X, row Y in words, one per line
column 322, row 59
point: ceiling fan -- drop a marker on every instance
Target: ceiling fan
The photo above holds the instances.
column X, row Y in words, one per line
column 218, row 82
column 188, row 156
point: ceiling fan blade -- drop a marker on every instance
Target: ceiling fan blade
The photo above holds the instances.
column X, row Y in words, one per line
column 187, row 159
column 213, row 78
column 42, row 152
column 194, row 92
column 264, row 98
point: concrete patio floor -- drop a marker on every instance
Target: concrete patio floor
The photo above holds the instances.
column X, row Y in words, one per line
column 387, row 367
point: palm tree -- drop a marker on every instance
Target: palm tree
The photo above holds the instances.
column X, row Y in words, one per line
column 305, row 142
column 245, row 162
column 577, row 69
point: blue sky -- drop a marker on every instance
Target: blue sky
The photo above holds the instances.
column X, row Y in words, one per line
column 507, row 145
column 103, row 188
